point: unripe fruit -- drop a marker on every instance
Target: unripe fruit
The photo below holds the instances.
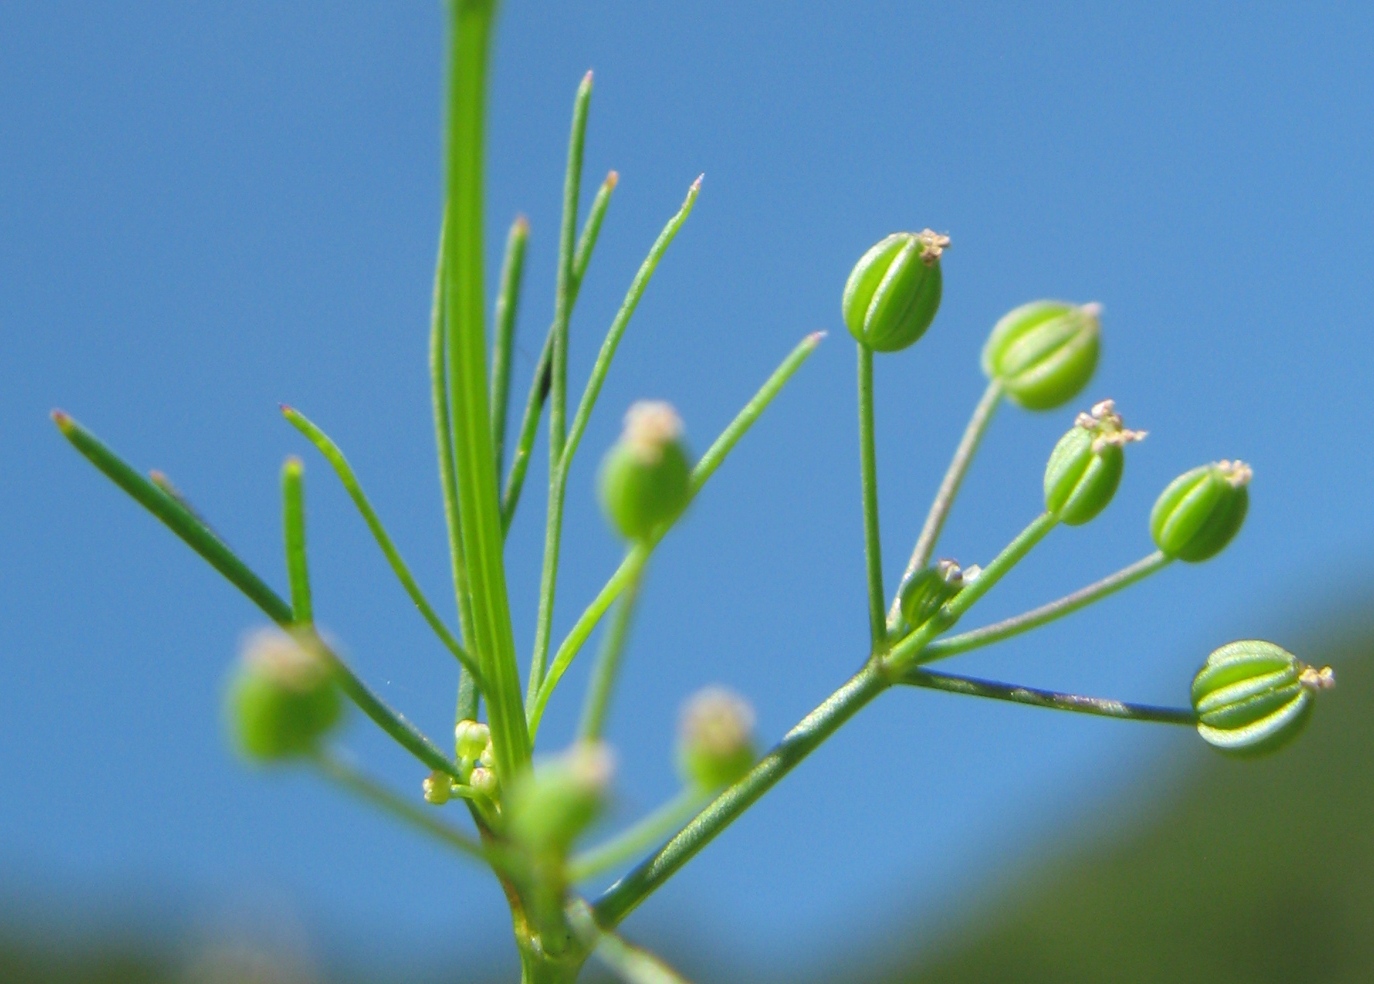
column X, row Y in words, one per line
column 893, row 292
column 1252, row 697
column 1044, row 353
column 646, row 476
column 1201, row 510
column 926, row 591
column 283, row 698
column 549, row 806
column 716, row 741
column 1085, row 466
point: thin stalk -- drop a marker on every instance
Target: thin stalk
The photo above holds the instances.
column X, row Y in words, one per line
column 562, row 463
column 949, row 486
column 648, row 832
column 543, row 373
column 293, row 528
column 507, row 304
column 349, row 479
column 868, row 474
column 628, row 962
column 706, row 467
column 912, row 648
column 598, row 700
column 195, row 534
column 627, row 893
column 1036, row 617
column 479, row 510
column 160, row 479
column 366, row 788
column 563, row 288
column 1100, row 706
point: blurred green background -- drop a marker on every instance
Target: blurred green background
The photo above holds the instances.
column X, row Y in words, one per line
column 1240, row 872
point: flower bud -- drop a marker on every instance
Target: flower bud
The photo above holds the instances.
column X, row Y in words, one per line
column 483, row 780
column 893, row 292
column 1252, row 697
column 646, row 477
column 283, row 698
column 550, row 805
column 470, row 739
column 1085, row 466
column 926, row 591
column 1201, row 510
column 716, row 740
column 437, row 786
column 1044, row 352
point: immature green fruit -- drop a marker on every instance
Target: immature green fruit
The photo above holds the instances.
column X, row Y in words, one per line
column 646, row 476
column 893, row 292
column 550, row 805
column 716, row 740
column 1201, row 510
column 283, row 698
column 1085, row 466
column 1253, row 697
column 1044, row 353
column 926, row 591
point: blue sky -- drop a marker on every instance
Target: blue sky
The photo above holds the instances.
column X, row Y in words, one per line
column 206, row 210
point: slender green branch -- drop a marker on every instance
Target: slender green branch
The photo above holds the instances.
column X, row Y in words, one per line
column 627, row 893
column 293, row 527
column 507, row 304
column 349, row 479
column 598, row 700
column 1100, row 706
column 366, row 788
column 1036, row 617
column 630, row 963
column 949, row 486
column 560, row 466
column 868, row 474
column 479, row 510
column 648, row 832
column 543, row 373
column 564, row 289
column 160, row 479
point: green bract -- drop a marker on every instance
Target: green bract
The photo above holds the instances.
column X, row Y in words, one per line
column 1085, row 466
column 1252, row 697
column 646, row 477
column 716, row 741
column 927, row 589
column 549, row 806
column 283, row 698
column 1201, row 510
column 1044, row 353
column 893, row 292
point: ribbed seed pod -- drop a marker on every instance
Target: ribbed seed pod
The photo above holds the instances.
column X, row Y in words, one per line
column 283, row 698
column 1201, row 511
column 925, row 591
column 645, row 478
column 1044, row 353
column 1253, row 697
column 893, row 292
column 1085, row 466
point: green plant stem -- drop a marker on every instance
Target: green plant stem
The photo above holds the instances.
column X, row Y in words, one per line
column 638, row 554
column 543, row 373
column 627, row 893
column 479, row 510
column 912, row 648
column 564, row 290
column 1100, row 706
column 562, row 463
column 607, row 668
column 417, row 817
column 949, row 487
column 868, row 473
column 503, row 338
column 648, row 832
column 293, row 528
column 629, row 962
column 349, row 479
column 1036, row 617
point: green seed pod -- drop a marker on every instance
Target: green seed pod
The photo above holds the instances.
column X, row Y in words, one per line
column 1253, row 697
column 646, row 476
column 1201, row 510
column 926, row 591
column 1044, row 352
column 893, row 292
column 1085, row 466
column 470, row 739
column 549, row 806
column 716, row 740
column 283, row 698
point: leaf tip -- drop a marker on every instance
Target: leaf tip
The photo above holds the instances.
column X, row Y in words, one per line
column 63, row 421
column 815, row 338
column 612, row 179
